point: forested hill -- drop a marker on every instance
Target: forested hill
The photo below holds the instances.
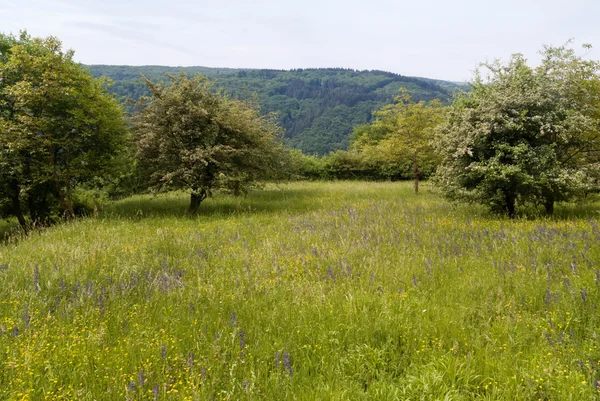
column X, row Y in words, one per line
column 318, row 108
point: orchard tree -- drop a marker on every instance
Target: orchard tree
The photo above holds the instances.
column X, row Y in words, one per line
column 524, row 135
column 400, row 137
column 188, row 137
column 58, row 128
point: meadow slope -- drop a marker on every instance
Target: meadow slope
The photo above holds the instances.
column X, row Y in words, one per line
column 306, row 291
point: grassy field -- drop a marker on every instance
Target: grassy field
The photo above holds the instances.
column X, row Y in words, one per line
column 316, row 291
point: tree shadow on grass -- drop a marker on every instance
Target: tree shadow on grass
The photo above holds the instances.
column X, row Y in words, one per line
column 562, row 212
column 577, row 211
column 8, row 230
column 271, row 200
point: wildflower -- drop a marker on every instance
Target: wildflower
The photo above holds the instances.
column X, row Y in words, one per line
column 242, row 343
column 584, row 294
column 26, row 317
column 286, row 363
column 277, row 359
column 141, row 378
column 36, row 278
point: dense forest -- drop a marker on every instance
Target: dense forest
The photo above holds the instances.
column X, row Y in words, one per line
column 317, row 108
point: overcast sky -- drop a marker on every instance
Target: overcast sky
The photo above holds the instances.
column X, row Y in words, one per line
column 435, row 39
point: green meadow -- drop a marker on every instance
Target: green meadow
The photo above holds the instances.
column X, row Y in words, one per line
column 303, row 291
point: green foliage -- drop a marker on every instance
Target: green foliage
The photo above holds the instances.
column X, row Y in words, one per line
column 525, row 136
column 190, row 138
column 398, row 142
column 58, row 128
column 89, row 201
column 306, row 167
column 318, row 108
column 307, row 291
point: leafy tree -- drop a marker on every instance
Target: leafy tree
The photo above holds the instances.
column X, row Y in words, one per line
column 58, row 128
column 400, row 137
column 524, row 135
column 190, row 138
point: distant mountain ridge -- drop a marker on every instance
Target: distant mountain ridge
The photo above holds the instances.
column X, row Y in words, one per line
column 317, row 107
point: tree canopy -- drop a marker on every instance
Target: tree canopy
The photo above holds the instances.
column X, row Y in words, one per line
column 399, row 140
column 188, row 137
column 524, row 135
column 58, row 128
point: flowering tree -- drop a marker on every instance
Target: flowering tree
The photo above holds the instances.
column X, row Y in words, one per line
column 190, row 138
column 524, row 135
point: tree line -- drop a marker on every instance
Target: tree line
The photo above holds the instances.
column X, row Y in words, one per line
column 523, row 137
column 317, row 108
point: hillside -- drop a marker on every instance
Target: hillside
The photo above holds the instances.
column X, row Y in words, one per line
column 317, row 108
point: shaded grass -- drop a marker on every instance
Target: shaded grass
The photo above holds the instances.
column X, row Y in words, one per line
column 306, row 291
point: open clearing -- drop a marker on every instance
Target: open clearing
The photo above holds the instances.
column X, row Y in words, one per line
column 323, row 291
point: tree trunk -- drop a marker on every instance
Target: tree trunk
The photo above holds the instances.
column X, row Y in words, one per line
column 59, row 193
column 61, row 196
column 510, row 205
column 16, row 205
column 195, row 199
column 69, row 213
column 549, row 205
column 416, row 173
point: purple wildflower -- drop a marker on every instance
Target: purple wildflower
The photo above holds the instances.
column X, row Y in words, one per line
column 330, row 273
column 287, row 364
column 26, row 318
column 584, row 294
column 277, row 360
column 548, row 298
column 242, row 343
column 141, row 378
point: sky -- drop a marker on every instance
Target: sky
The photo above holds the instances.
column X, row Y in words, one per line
column 434, row 39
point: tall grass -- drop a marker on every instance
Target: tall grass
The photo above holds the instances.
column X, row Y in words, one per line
column 305, row 291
